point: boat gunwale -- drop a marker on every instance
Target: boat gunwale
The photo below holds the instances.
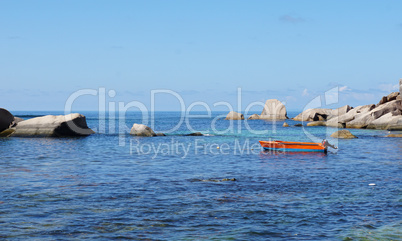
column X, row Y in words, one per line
column 292, row 145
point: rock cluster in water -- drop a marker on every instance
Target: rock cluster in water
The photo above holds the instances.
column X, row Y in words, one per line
column 141, row 130
column 386, row 115
column 233, row 115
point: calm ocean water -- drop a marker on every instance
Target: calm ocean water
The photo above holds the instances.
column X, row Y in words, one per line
column 111, row 185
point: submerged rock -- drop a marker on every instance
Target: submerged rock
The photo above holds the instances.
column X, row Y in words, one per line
column 228, row 180
column 233, row 115
column 317, row 123
column 394, row 135
column 219, row 180
column 53, row 126
column 160, row 134
column 343, row 134
column 141, row 130
column 195, row 134
column 274, row 110
column 298, row 125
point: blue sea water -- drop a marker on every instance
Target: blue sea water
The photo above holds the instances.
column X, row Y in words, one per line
column 221, row 186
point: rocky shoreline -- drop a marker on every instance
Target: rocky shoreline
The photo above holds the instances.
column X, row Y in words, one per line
column 386, row 115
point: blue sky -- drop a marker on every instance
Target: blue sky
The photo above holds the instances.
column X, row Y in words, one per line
column 203, row 50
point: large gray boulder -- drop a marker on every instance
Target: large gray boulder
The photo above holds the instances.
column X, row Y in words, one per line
column 365, row 120
column 142, row 130
column 6, row 119
column 233, row 115
column 320, row 114
column 388, row 98
column 274, row 110
column 387, row 122
column 341, row 120
column 53, row 126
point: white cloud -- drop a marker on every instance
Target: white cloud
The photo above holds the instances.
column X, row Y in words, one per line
column 343, row 88
column 305, row 92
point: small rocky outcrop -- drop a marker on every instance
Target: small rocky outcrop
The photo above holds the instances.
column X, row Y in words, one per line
column 53, row 126
column 254, row 117
column 233, row 115
column 6, row 119
column 343, row 134
column 317, row 123
column 195, row 134
column 395, row 135
column 285, row 124
column 141, row 130
column 274, row 110
column 298, row 125
column 160, row 134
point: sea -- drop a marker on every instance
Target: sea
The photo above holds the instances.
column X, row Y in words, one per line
column 218, row 186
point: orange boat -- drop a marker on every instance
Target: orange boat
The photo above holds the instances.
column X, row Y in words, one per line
column 287, row 146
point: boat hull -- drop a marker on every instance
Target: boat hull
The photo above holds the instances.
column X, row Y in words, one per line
column 285, row 146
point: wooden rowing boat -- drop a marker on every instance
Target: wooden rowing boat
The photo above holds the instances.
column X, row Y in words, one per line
column 291, row 146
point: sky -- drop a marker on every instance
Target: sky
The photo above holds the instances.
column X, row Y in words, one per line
column 192, row 52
